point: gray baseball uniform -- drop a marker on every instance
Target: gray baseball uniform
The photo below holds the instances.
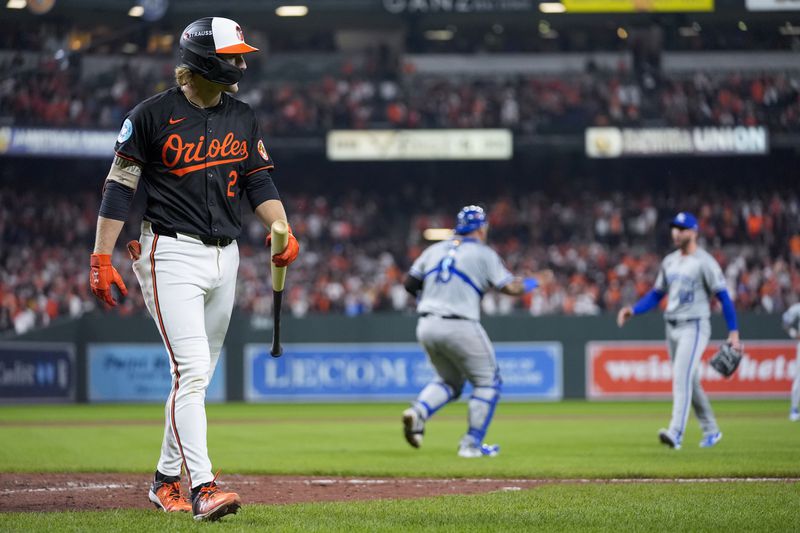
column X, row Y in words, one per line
column 689, row 281
column 791, row 323
column 455, row 274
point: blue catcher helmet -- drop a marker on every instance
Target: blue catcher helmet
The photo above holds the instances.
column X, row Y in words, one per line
column 469, row 219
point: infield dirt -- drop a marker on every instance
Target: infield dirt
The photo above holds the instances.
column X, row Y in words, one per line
column 76, row 492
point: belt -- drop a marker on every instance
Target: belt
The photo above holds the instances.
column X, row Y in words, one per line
column 205, row 239
column 448, row 317
column 675, row 321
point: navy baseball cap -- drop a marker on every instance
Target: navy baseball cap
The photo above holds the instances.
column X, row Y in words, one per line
column 684, row 220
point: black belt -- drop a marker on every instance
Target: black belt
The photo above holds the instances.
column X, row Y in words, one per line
column 205, row 239
column 449, row 317
column 675, row 321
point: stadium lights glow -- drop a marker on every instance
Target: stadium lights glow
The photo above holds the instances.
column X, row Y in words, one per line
column 437, row 234
column 439, row 35
column 16, row 4
column 291, row 11
column 136, row 11
column 552, row 7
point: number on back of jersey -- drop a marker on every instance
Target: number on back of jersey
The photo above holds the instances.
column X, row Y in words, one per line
column 446, row 268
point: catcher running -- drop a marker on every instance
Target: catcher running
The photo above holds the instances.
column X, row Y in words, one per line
column 198, row 152
column 689, row 276
column 450, row 279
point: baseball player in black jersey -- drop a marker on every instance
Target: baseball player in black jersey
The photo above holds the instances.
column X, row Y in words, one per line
column 197, row 151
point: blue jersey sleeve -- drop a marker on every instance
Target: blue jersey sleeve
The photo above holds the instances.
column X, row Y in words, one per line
column 648, row 301
column 727, row 309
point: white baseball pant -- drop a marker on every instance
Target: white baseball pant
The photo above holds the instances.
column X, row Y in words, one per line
column 189, row 290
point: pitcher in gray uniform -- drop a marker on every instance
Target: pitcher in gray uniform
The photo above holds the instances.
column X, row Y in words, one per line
column 791, row 323
column 450, row 278
column 689, row 276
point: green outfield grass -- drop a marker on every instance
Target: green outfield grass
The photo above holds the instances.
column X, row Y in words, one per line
column 571, row 439
column 563, row 440
column 648, row 507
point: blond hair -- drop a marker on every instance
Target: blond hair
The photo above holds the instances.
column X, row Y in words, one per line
column 183, row 76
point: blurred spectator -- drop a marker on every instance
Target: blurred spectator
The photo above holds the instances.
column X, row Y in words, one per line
column 49, row 95
column 604, row 247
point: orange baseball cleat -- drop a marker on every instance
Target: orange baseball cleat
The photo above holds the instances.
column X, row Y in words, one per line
column 211, row 503
column 167, row 497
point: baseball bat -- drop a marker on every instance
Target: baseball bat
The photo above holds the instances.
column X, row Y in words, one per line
column 280, row 236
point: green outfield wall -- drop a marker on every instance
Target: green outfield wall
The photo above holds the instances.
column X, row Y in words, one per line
column 572, row 332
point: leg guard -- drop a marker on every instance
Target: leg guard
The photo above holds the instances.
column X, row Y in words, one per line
column 433, row 397
column 482, row 404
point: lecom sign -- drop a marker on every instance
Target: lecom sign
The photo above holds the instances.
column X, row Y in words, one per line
column 643, row 370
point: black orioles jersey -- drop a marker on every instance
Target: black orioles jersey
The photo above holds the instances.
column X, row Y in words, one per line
column 197, row 163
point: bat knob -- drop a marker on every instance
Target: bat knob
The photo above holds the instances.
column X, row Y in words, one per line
column 276, row 352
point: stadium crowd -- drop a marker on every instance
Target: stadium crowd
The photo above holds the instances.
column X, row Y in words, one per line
column 51, row 95
column 604, row 248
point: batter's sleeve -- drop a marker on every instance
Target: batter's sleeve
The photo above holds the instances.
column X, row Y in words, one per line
column 117, row 200
column 258, row 158
column 258, row 186
column 135, row 135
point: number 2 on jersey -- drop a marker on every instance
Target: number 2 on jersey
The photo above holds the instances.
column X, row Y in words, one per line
column 233, row 176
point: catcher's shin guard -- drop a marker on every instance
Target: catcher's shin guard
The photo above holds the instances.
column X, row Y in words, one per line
column 482, row 404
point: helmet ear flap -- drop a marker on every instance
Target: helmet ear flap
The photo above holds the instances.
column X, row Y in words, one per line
column 213, row 68
column 222, row 72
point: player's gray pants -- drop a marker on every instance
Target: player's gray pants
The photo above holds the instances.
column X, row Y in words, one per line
column 460, row 350
column 687, row 340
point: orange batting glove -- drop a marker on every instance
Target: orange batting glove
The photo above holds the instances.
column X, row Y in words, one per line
column 102, row 276
column 289, row 254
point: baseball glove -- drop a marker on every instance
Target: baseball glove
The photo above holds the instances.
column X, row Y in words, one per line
column 726, row 360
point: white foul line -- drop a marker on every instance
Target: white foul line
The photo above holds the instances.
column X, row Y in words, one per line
column 508, row 484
